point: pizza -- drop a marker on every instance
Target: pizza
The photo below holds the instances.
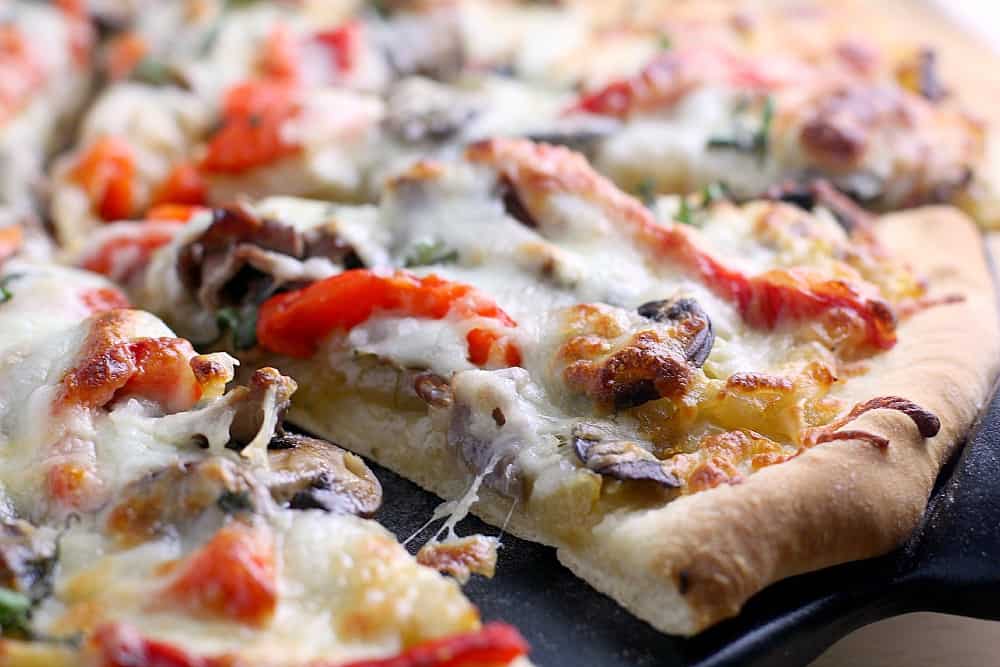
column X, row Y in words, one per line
column 692, row 292
column 646, row 390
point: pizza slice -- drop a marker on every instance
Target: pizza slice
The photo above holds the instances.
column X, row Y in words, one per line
column 153, row 516
column 41, row 86
column 262, row 99
column 688, row 405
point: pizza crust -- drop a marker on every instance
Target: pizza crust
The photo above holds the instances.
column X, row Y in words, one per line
column 839, row 501
column 696, row 561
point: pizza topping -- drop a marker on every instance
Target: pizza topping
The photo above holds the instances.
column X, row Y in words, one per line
column 460, row 557
column 261, row 407
column 125, row 249
column 618, row 458
column 579, row 133
column 253, row 132
column 620, row 365
column 420, row 110
column 485, row 457
column 242, row 258
column 310, row 473
column 23, row 72
column 177, row 496
column 428, row 47
column 433, row 390
column 819, row 192
column 113, row 366
column 688, row 314
column 675, row 73
column 920, row 75
column 767, row 300
column 233, row 576
column 926, row 422
column 11, row 241
column 120, row 645
column 494, row 643
column 183, row 185
column 27, row 557
column 107, row 172
column 294, row 323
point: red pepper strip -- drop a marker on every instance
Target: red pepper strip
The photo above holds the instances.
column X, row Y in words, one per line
column 233, row 576
column 106, row 170
column 100, row 299
column 294, row 323
column 673, row 74
column 281, row 54
column 255, row 114
column 764, row 300
column 120, row 645
column 183, row 185
column 129, row 250
column 345, row 41
column 493, row 644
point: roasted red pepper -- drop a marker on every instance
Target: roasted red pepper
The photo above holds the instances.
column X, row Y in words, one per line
column 294, row 323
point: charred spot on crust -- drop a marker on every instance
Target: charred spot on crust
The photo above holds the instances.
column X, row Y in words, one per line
column 683, row 582
column 696, row 326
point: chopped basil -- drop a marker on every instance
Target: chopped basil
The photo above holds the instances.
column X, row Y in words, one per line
column 425, row 253
column 664, row 42
column 756, row 142
column 241, row 322
column 234, row 502
column 15, row 608
column 5, row 293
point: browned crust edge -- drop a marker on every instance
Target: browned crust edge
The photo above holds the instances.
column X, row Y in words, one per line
column 839, row 501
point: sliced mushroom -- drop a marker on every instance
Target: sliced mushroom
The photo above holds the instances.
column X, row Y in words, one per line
column 619, row 458
column 309, row 473
column 501, row 470
column 421, row 110
column 27, row 556
column 179, row 494
column 693, row 322
column 252, row 411
column 580, row 133
column 428, row 46
column 241, row 258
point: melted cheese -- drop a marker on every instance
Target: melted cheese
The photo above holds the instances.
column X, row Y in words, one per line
column 348, row 591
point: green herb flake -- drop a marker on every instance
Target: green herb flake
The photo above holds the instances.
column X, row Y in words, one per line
column 714, row 192
column 153, row 72
column 241, row 322
column 235, row 502
column 426, row 253
column 757, row 143
column 664, row 42
column 5, row 293
column 646, row 190
column 684, row 213
column 15, row 609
